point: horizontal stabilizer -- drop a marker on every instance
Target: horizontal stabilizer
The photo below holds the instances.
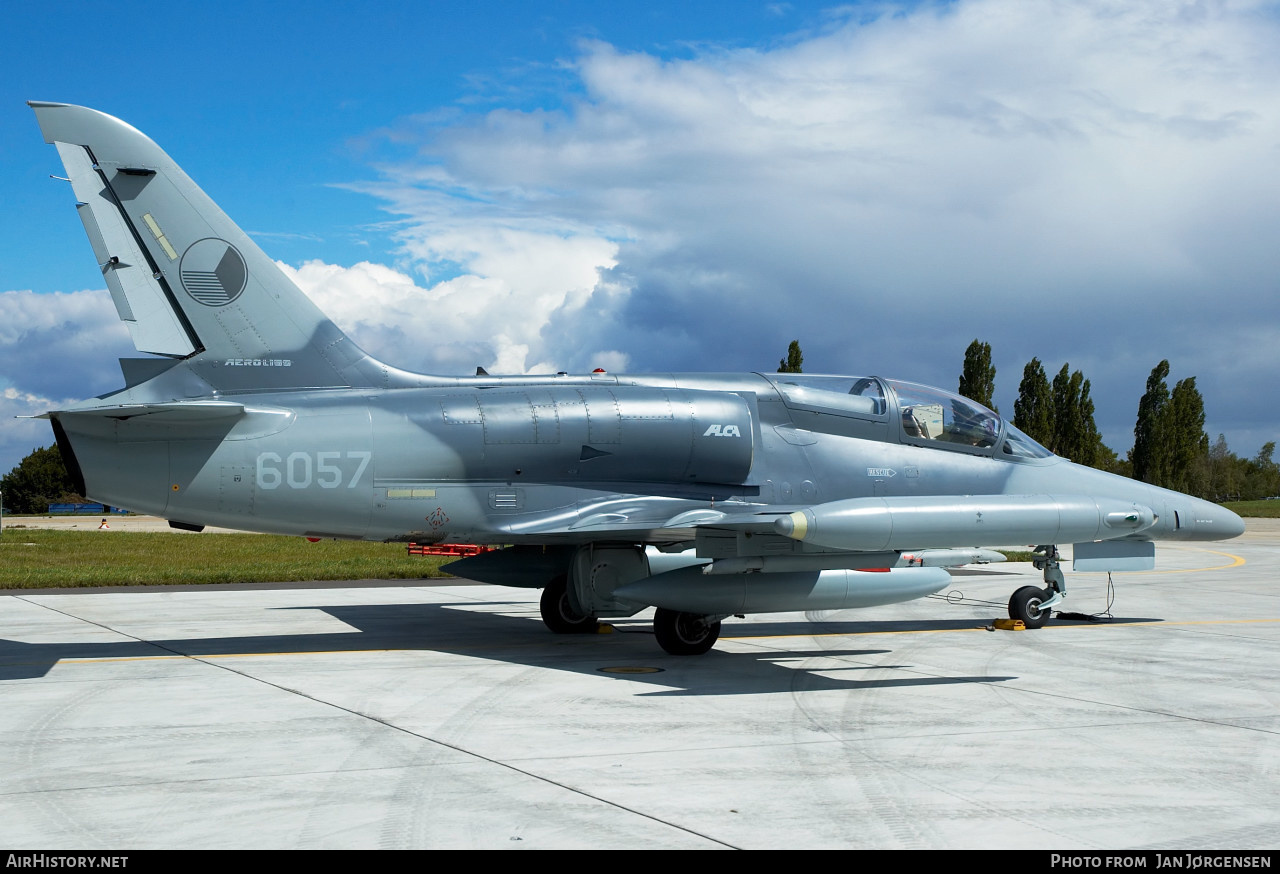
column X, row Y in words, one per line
column 175, row 413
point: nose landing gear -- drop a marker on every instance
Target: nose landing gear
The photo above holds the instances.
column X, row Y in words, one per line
column 1033, row 606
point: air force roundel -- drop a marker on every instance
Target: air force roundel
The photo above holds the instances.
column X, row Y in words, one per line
column 213, row 272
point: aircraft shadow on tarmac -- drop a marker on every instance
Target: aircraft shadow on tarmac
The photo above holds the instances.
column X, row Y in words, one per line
column 629, row 653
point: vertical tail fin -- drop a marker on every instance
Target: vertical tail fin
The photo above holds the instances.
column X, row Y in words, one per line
column 184, row 278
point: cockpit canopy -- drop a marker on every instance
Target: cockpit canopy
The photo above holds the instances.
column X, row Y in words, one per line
column 923, row 415
column 928, row 413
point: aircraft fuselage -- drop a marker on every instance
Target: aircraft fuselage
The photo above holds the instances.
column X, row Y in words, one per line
column 532, row 460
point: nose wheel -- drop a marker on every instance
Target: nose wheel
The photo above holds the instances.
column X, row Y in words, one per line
column 1032, row 605
column 1027, row 604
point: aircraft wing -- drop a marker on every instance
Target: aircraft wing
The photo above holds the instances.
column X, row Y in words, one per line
column 873, row 525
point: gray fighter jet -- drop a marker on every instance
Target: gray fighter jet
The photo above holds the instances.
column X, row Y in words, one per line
column 703, row 495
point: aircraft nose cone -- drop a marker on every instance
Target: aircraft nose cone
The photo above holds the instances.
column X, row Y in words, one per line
column 1215, row 522
column 1232, row 525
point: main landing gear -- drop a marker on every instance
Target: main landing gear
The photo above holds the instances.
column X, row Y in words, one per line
column 678, row 633
column 560, row 614
column 685, row 633
column 1033, row 606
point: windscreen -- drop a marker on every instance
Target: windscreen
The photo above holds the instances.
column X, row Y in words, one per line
column 932, row 414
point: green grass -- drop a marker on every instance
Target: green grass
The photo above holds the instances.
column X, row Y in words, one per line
column 1255, row 509
column 33, row 558
column 36, row 558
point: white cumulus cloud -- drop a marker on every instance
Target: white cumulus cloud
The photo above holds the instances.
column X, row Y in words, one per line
column 493, row 314
column 1090, row 181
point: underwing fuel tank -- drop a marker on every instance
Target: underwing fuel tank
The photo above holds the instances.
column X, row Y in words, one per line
column 689, row 590
column 821, row 561
column 911, row 523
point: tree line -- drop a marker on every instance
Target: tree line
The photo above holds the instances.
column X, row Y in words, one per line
column 1170, row 446
column 37, row 481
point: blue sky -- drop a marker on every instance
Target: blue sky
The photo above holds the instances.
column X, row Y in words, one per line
column 662, row 186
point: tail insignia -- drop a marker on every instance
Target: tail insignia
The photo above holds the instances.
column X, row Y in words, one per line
column 213, row 272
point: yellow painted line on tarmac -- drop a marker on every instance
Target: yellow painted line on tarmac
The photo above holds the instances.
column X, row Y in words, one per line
column 1236, row 561
column 1184, row 622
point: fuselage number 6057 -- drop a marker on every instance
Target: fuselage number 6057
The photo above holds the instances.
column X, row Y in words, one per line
column 302, row 470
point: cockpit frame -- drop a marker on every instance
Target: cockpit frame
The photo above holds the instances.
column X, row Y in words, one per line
column 925, row 416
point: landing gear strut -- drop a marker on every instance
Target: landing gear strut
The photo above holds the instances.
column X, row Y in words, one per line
column 1033, row 605
column 559, row 613
column 685, row 633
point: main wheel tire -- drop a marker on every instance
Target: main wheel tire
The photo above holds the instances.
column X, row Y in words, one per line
column 558, row 614
column 684, row 633
column 1025, row 604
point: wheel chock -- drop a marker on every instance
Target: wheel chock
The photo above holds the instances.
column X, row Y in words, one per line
column 604, row 628
column 1010, row 624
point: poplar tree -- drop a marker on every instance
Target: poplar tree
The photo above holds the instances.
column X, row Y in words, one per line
column 1170, row 446
column 1091, row 450
column 794, row 362
column 978, row 379
column 1187, row 442
column 1148, row 450
column 1075, row 434
column 1033, row 410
